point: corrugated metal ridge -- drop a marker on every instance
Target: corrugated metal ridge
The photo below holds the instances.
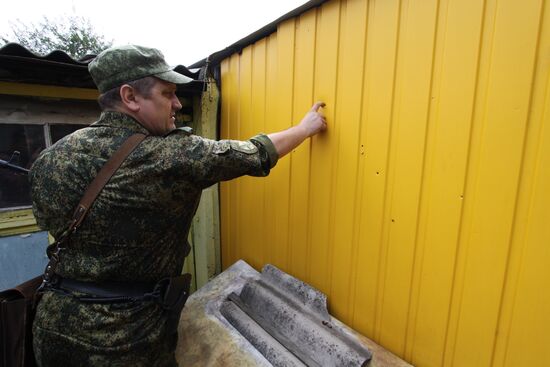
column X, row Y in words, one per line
column 57, row 56
column 263, row 32
column 19, row 64
column 15, row 51
column 296, row 319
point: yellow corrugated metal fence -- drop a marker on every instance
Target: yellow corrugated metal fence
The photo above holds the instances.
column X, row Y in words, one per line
column 424, row 211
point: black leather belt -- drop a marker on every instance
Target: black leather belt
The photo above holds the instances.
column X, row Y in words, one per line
column 105, row 289
column 170, row 293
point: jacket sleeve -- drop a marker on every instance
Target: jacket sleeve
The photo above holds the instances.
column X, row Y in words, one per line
column 209, row 161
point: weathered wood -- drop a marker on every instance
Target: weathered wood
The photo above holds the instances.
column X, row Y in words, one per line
column 21, row 89
column 206, row 237
column 32, row 110
column 206, row 233
column 17, row 222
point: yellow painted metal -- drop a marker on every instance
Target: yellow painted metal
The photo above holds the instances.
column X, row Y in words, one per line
column 424, row 210
column 50, row 91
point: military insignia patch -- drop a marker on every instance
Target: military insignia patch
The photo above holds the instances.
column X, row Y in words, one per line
column 244, row 147
column 221, row 147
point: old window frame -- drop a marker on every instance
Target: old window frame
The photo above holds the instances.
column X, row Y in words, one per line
column 46, row 106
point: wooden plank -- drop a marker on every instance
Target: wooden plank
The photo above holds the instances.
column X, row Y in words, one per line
column 31, row 110
column 17, row 222
column 21, row 89
column 206, row 230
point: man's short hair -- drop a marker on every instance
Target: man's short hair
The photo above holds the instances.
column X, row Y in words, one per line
column 111, row 98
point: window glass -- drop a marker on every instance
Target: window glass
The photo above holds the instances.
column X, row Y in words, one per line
column 59, row 131
column 29, row 141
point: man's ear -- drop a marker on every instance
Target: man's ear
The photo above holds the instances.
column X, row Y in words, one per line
column 128, row 98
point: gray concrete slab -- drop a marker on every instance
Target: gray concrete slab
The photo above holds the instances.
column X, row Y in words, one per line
column 208, row 338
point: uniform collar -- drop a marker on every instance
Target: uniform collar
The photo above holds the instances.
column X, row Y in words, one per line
column 119, row 120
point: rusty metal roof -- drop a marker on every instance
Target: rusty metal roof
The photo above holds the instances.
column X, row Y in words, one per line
column 18, row 64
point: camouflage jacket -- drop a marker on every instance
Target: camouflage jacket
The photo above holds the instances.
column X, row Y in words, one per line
column 137, row 228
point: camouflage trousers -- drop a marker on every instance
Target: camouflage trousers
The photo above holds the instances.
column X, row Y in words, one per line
column 97, row 335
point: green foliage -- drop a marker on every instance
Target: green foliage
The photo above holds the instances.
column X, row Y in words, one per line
column 72, row 34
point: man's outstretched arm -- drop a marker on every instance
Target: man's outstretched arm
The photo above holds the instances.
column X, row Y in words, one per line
column 312, row 123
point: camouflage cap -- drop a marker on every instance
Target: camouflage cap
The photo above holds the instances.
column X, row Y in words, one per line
column 121, row 64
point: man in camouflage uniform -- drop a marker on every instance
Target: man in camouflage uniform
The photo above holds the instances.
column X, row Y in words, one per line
column 137, row 228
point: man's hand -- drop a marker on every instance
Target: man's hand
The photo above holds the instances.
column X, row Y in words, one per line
column 312, row 123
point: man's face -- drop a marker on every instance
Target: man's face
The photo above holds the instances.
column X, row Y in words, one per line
column 157, row 112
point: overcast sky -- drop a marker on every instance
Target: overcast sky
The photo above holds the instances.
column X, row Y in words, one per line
column 185, row 31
